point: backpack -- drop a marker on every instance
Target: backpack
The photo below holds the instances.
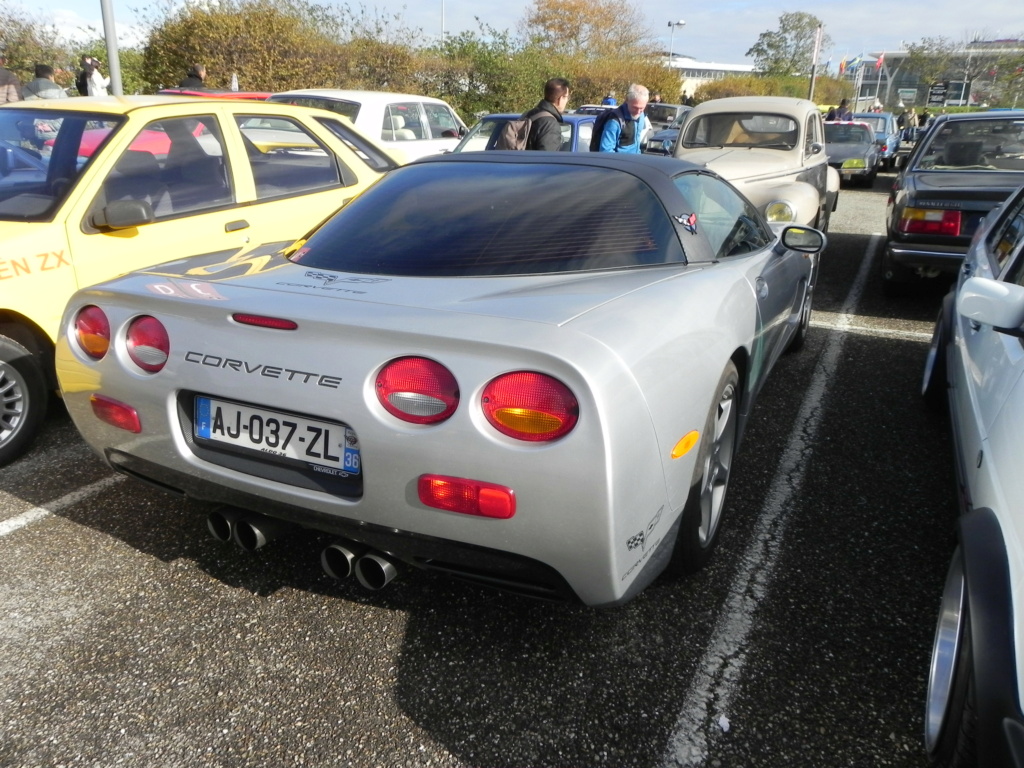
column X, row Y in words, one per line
column 515, row 134
column 627, row 129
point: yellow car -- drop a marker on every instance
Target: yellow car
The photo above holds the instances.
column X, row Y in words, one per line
column 92, row 188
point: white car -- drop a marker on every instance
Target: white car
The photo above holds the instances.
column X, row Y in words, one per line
column 772, row 148
column 976, row 363
column 415, row 125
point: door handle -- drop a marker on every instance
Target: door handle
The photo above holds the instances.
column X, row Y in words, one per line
column 234, row 226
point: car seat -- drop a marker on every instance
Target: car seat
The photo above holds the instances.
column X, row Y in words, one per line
column 963, row 153
column 397, row 130
column 136, row 176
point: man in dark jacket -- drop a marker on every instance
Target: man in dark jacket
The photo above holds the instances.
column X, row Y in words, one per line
column 196, row 77
column 546, row 130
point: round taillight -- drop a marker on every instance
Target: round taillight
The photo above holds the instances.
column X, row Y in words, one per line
column 93, row 331
column 417, row 390
column 530, row 406
column 148, row 345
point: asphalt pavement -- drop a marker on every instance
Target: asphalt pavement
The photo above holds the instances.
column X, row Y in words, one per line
column 129, row 637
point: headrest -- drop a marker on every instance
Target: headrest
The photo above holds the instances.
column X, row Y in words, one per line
column 397, row 122
column 137, row 163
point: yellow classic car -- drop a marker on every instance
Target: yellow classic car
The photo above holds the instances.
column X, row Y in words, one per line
column 91, row 188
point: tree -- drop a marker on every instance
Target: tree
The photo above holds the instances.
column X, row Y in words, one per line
column 590, row 29
column 789, row 50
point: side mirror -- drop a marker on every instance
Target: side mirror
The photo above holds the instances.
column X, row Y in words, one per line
column 124, row 214
column 802, row 239
column 817, row 148
column 994, row 303
column 6, row 161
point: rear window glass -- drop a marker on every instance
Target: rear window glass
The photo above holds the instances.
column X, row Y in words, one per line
column 986, row 144
column 349, row 109
column 472, row 219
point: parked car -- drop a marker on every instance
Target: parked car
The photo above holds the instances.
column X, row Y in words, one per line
column 415, row 126
column 963, row 168
column 852, row 151
column 772, row 148
column 662, row 142
column 459, row 387
column 92, row 188
column 976, row 369
column 662, row 115
column 592, row 109
column 216, row 93
column 576, row 133
column 887, row 134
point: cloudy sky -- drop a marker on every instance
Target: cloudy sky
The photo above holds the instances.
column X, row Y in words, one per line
column 718, row 31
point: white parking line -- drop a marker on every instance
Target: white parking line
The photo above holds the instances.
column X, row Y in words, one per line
column 708, row 700
column 867, row 330
column 38, row 513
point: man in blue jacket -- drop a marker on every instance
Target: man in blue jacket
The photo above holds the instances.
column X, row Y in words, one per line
column 625, row 133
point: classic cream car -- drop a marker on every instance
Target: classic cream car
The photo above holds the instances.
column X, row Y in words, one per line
column 772, row 148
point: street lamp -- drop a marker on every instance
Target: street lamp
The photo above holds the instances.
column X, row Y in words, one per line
column 672, row 38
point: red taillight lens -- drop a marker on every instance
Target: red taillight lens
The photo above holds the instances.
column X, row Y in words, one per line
column 469, row 497
column 417, row 390
column 530, row 406
column 117, row 414
column 925, row 221
column 262, row 321
column 93, row 331
column 148, row 345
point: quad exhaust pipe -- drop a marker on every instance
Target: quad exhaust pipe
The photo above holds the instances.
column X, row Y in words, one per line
column 340, row 560
column 373, row 570
column 248, row 530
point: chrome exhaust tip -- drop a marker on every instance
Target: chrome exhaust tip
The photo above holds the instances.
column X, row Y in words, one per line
column 221, row 523
column 375, row 571
column 255, row 531
column 339, row 559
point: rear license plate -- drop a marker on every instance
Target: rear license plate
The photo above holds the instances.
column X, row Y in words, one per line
column 280, row 436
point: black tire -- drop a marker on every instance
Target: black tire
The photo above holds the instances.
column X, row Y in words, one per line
column 797, row 342
column 951, row 713
column 934, row 383
column 23, row 399
column 702, row 515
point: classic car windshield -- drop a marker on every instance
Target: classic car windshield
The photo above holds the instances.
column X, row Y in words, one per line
column 992, row 144
column 464, row 219
column 42, row 154
column 845, row 133
column 741, row 129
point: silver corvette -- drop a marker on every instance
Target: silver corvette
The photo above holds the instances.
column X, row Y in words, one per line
column 527, row 370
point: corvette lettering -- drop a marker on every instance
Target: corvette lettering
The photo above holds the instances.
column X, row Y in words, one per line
column 260, row 369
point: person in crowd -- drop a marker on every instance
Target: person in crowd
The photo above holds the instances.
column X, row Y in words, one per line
column 687, row 100
column 910, row 127
column 655, row 98
column 624, row 133
column 10, row 84
column 842, row 112
column 196, row 77
column 90, row 81
column 610, row 99
column 546, row 134
column 43, row 87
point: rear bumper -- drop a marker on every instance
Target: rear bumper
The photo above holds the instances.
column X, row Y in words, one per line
column 912, row 256
column 487, row 567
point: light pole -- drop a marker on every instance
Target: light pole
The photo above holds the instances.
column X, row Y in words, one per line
column 672, row 38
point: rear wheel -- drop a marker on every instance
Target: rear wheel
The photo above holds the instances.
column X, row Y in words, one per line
column 23, row 399
column 698, row 533
column 951, row 711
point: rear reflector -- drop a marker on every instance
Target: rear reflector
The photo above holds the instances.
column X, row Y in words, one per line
column 926, row 221
column 262, row 321
column 468, row 497
column 116, row 414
